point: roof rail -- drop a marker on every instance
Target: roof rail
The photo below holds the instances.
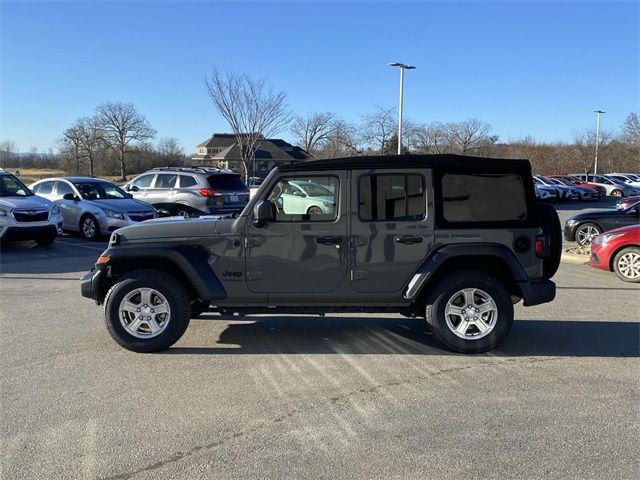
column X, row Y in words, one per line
column 193, row 168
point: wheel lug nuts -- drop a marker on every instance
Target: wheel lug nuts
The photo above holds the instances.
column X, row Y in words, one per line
column 148, row 318
column 477, row 310
column 137, row 309
column 152, row 310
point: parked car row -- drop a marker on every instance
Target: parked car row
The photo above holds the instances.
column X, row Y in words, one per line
column 585, row 187
column 94, row 207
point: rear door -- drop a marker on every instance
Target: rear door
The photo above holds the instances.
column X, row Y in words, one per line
column 391, row 232
column 163, row 190
column 70, row 209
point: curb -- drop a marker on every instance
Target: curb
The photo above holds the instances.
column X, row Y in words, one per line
column 574, row 258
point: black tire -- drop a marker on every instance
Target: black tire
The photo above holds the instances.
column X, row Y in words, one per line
column 181, row 211
column 627, row 252
column 176, row 296
column 45, row 241
column 198, row 307
column 85, row 230
column 584, row 228
column 314, row 211
column 442, row 292
column 550, row 224
column 617, row 193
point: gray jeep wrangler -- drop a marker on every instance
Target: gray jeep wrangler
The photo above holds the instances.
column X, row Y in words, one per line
column 456, row 240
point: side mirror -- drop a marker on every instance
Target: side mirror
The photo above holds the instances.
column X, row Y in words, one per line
column 133, row 188
column 263, row 211
column 129, row 195
column 69, row 196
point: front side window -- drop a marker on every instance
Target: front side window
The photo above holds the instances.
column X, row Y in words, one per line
column 391, row 197
column 62, row 189
column 142, row 182
column 483, row 198
column 305, row 199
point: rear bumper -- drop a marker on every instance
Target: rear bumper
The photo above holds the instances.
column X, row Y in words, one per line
column 535, row 293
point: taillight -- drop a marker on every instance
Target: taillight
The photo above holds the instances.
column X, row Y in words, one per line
column 209, row 192
column 541, row 246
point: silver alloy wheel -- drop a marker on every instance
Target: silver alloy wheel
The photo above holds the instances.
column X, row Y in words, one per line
column 89, row 227
column 314, row 211
column 471, row 314
column 617, row 193
column 586, row 234
column 144, row 313
column 629, row 265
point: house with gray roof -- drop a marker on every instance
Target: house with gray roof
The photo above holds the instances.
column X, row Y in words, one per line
column 221, row 150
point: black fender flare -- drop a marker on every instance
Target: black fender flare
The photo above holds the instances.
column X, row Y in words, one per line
column 191, row 261
column 438, row 257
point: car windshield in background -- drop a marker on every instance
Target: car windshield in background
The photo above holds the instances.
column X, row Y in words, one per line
column 227, row 182
column 314, row 190
column 100, row 191
column 10, row 186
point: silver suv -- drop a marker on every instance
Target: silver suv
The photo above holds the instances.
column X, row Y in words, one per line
column 188, row 191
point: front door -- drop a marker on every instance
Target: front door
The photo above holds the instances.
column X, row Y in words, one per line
column 305, row 250
column 391, row 232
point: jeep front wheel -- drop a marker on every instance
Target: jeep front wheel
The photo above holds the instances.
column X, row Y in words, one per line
column 470, row 311
column 147, row 311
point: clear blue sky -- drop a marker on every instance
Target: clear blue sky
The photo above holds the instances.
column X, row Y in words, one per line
column 537, row 68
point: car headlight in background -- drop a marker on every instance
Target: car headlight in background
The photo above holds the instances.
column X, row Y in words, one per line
column 571, row 222
column 606, row 237
column 55, row 210
column 3, row 212
column 112, row 214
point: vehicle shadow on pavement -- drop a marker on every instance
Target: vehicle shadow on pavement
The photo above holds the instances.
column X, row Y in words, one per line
column 334, row 335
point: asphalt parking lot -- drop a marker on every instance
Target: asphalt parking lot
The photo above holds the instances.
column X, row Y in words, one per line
column 353, row 396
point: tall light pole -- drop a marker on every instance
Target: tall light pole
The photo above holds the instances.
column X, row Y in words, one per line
column 597, row 112
column 403, row 67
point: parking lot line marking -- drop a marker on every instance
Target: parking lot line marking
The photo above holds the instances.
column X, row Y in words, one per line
column 101, row 249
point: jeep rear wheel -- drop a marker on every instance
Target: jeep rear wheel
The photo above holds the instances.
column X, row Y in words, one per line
column 470, row 311
column 147, row 311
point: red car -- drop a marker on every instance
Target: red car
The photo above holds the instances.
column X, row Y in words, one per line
column 618, row 251
column 602, row 192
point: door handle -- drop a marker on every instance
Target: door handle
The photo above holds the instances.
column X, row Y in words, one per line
column 408, row 239
column 329, row 240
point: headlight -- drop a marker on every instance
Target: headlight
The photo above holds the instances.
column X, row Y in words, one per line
column 571, row 222
column 327, row 204
column 112, row 214
column 3, row 212
column 607, row 237
column 55, row 210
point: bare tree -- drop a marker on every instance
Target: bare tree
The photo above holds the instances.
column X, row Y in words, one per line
column 470, row 135
column 123, row 126
column 631, row 129
column 377, row 128
column 8, row 151
column 341, row 142
column 431, row 138
column 251, row 107
column 314, row 129
column 91, row 137
column 170, row 150
column 71, row 147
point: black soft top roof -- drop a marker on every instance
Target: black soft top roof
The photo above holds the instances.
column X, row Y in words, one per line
column 411, row 161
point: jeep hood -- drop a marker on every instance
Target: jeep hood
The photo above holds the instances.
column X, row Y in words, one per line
column 170, row 228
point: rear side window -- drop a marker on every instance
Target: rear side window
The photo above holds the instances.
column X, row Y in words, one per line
column 391, row 197
column 227, row 182
column 483, row 198
column 187, row 181
column 166, row 181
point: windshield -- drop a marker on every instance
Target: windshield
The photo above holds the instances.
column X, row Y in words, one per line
column 10, row 186
column 564, row 181
column 100, row 191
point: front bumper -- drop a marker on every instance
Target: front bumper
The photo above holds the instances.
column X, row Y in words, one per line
column 110, row 224
column 535, row 293
column 29, row 233
column 91, row 284
column 570, row 233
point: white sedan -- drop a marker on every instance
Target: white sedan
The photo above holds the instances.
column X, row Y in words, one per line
column 305, row 197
